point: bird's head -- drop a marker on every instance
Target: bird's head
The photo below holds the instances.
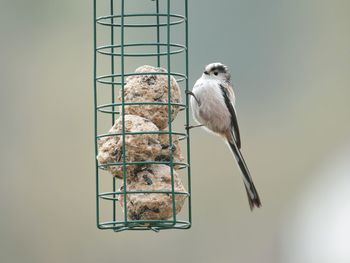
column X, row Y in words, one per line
column 217, row 71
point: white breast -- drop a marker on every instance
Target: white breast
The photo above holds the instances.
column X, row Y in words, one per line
column 212, row 111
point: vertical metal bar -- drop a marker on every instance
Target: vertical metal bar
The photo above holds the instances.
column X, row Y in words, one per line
column 112, row 58
column 158, row 34
column 123, row 106
column 169, row 114
column 112, row 94
column 188, row 117
column 95, row 123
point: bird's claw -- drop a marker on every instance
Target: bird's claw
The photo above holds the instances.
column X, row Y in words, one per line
column 192, row 126
column 188, row 92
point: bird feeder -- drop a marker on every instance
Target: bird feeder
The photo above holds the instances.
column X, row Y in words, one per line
column 142, row 178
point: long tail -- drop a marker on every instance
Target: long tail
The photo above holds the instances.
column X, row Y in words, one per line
column 253, row 197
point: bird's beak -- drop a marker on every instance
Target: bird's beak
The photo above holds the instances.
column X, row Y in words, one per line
column 206, row 72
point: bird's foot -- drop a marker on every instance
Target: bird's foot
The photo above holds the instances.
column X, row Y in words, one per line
column 194, row 96
column 193, row 126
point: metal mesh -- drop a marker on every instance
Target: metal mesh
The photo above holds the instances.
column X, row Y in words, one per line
column 118, row 51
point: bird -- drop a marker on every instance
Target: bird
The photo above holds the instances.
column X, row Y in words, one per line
column 213, row 107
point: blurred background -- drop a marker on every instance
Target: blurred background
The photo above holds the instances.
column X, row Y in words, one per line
column 290, row 62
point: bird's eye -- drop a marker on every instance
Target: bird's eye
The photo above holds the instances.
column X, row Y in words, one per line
column 215, row 73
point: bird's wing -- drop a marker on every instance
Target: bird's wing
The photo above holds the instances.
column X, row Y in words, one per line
column 227, row 92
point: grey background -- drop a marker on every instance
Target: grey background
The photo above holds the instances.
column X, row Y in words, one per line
column 290, row 63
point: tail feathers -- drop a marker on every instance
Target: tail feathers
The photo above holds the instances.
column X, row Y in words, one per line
column 253, row 196
column 255, row 201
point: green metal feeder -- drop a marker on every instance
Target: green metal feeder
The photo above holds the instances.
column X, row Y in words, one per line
column 114, row 19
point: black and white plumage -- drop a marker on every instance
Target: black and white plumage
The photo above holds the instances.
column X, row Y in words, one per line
column 212, row 104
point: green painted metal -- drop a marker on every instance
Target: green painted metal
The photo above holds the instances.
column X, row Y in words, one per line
column 117, row 21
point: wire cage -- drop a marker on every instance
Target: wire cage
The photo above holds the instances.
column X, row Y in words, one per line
column 125, row 36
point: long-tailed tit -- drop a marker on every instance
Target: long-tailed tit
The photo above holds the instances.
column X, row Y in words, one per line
column 213, row 107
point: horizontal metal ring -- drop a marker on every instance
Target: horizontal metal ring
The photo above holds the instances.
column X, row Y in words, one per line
column 178, row 166
column 101, row 79
column 103, row 166
column 107, row 196
column 103, row 20
column 101, row 49
column 139, row 133
column 181, row 135
column 102, row 108
column 155, row 227
column 137, row 224
column 162, row 222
